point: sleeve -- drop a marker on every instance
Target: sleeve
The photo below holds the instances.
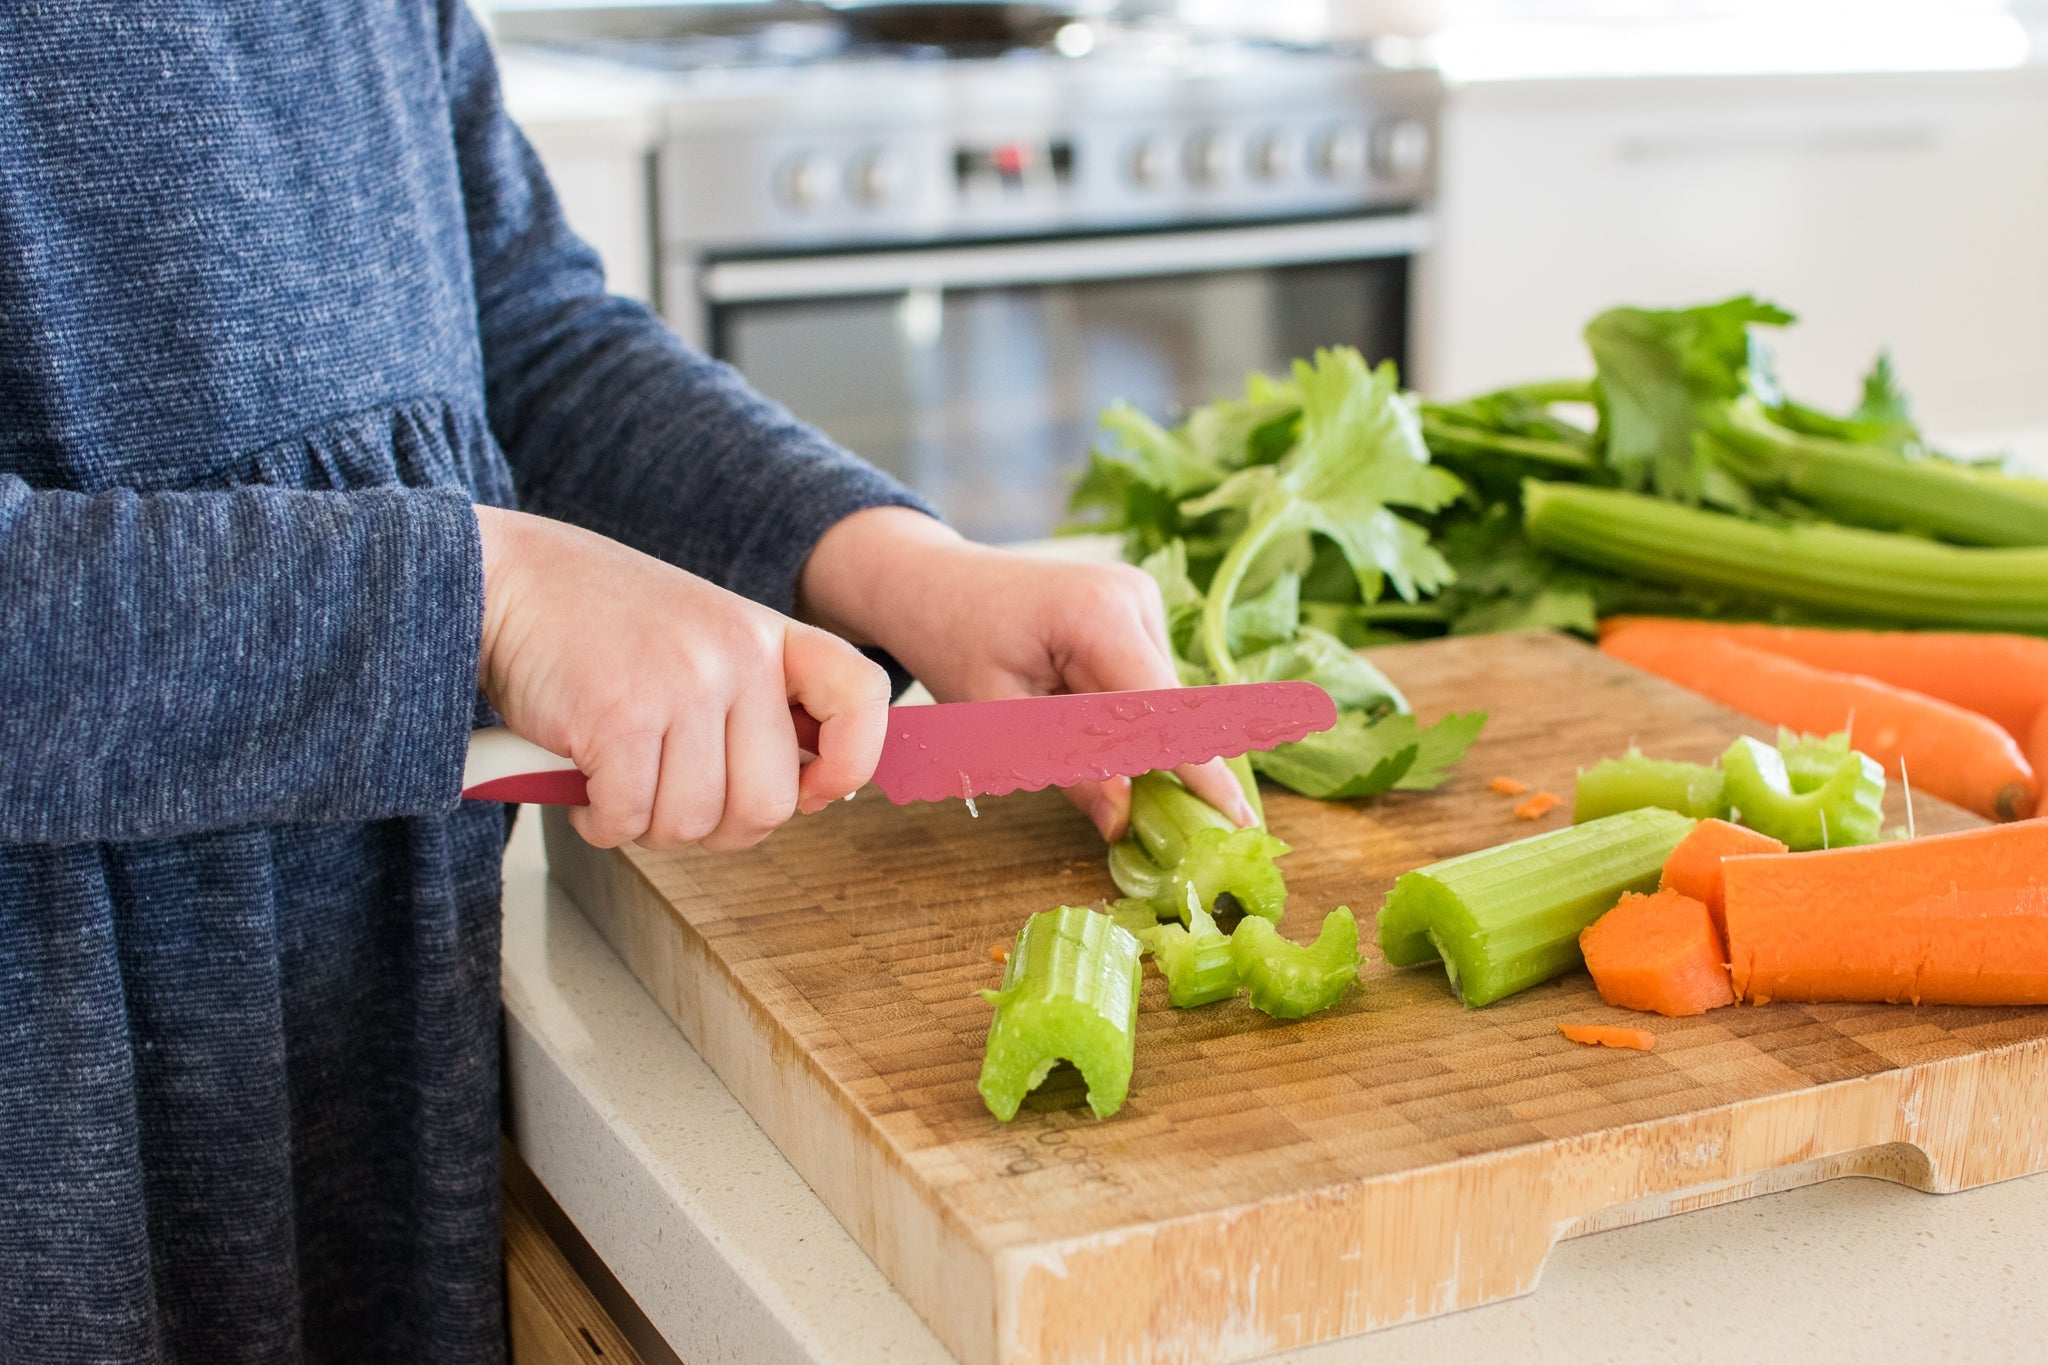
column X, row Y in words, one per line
column 179, row 662
column 607, row 419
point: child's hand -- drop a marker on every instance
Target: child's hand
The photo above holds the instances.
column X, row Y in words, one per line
column 979, row 624
column 670, row 693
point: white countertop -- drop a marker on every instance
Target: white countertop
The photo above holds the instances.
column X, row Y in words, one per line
column 732, row 1258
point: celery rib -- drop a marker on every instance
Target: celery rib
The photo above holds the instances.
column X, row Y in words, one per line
column 1070, row 992
column 1506, row 918
column 1632, row 781
column 1871, row 575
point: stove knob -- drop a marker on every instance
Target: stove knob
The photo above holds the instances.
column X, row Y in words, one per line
column 1209, row 156
column 874, row 176
column 1340, row 153
column 1400, row 148
column 1149, row 163
column 804, row 182
column 1273, row 157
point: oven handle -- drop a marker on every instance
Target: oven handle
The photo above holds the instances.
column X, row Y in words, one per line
column 1063, row 261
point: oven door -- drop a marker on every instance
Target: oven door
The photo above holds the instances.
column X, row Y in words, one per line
column 976, row 373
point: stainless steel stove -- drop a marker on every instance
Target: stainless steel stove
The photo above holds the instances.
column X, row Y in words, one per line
column 953, row 262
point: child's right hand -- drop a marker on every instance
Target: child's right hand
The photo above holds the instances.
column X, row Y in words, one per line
column 670, row 693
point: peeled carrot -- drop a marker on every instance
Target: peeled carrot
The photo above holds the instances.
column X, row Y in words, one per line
column 1509, row 786
column 1955, row 754
column 1538, row 806
column 2004, row 677
column 1659, row 953
column 2037, row 754
column 1609, row 1035
column 1952, row 919
column 1694, row 867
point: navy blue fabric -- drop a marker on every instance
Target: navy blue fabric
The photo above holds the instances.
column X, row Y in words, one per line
column 282, row 292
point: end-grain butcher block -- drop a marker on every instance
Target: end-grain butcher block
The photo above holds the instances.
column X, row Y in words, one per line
column 1271, row 1184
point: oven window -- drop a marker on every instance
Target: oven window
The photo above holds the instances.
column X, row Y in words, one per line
column 986, row 400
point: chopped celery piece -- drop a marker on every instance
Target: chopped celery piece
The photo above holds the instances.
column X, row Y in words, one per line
column 1180, row 845
column 1135, row 916
column 1195, row 961
column 1844, row 809
column 1070, row 992
column 1632, row 781
column 1291, row 980
column 1811, row 760
column 1507, row 918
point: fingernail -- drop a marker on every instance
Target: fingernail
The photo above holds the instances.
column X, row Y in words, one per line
column 1246, row 816
column 1104, row 815
column 811, row 805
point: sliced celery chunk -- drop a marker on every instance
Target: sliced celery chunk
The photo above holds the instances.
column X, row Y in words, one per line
column 1790, row 795
column 1507, row 918
column 1632, row 781
column 1291, row 980
column 1196, row 961
column 1180, row 844
column 1070, row 992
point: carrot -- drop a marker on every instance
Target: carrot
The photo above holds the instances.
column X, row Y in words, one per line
column 1508, row 786
column 1694, row 867
column 1952, row 919
column 2004, row 677
column 1609, row 1035
column 999, row 952
column 1538, row 806
column 2037, row 754
column 1660, row 953
column 1955, row 754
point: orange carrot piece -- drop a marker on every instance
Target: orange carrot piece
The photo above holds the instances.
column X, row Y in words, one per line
column 1508, row 786
column 999, row 952
column 1658, row 953
column 1694, row 867
column 1955, row 754
column 1538, row 806
column 2004, row 677
column 1609, row 1035
column 1951, row 919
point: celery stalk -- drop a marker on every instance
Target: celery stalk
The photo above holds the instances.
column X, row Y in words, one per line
column 1507, row 918
column 1880, row 488
column 1291, row 980
column 1783, row 795
column 1181, row 846
column 1632, row 781
column 1866, row 575
column 1195, row 961
column 1070, row 992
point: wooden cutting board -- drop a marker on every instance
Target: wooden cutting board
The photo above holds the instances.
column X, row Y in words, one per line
column 1272, row 1184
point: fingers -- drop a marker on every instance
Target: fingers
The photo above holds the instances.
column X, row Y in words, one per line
column 623, row 772
column 1215, row 783
column 760, row 770
column 1106, row 804
column 849, row 695
column 692, row 796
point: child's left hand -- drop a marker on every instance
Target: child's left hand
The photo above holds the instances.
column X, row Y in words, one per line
column 980, row 624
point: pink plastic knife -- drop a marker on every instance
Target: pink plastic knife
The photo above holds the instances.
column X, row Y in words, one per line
column 986, row 748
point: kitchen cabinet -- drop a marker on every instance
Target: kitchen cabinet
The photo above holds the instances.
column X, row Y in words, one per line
column 1900, row 210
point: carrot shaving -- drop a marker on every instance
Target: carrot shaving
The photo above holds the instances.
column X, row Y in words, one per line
column 999, row 952
column 1609, row 1035
column 1508, row 786
column 1538, row 806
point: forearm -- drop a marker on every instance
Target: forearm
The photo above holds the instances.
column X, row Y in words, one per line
column 177, row 662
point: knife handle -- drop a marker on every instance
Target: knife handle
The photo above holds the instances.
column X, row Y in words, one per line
column 503, row 767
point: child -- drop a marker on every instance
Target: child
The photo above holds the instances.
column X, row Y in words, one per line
column 289, row 321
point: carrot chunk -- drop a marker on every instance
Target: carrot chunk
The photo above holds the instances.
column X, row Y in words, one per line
column 1609, row 1035
column 1658, row 953
column 1509, row 786
column 1538, row 806
column 1694, row 867
column 1949, row 752
column 1952, row 919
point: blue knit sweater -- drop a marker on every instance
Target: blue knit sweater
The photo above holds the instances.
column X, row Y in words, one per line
column 282, row 291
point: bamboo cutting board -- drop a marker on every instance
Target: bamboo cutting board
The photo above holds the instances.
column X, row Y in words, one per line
column 1271, row 1184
